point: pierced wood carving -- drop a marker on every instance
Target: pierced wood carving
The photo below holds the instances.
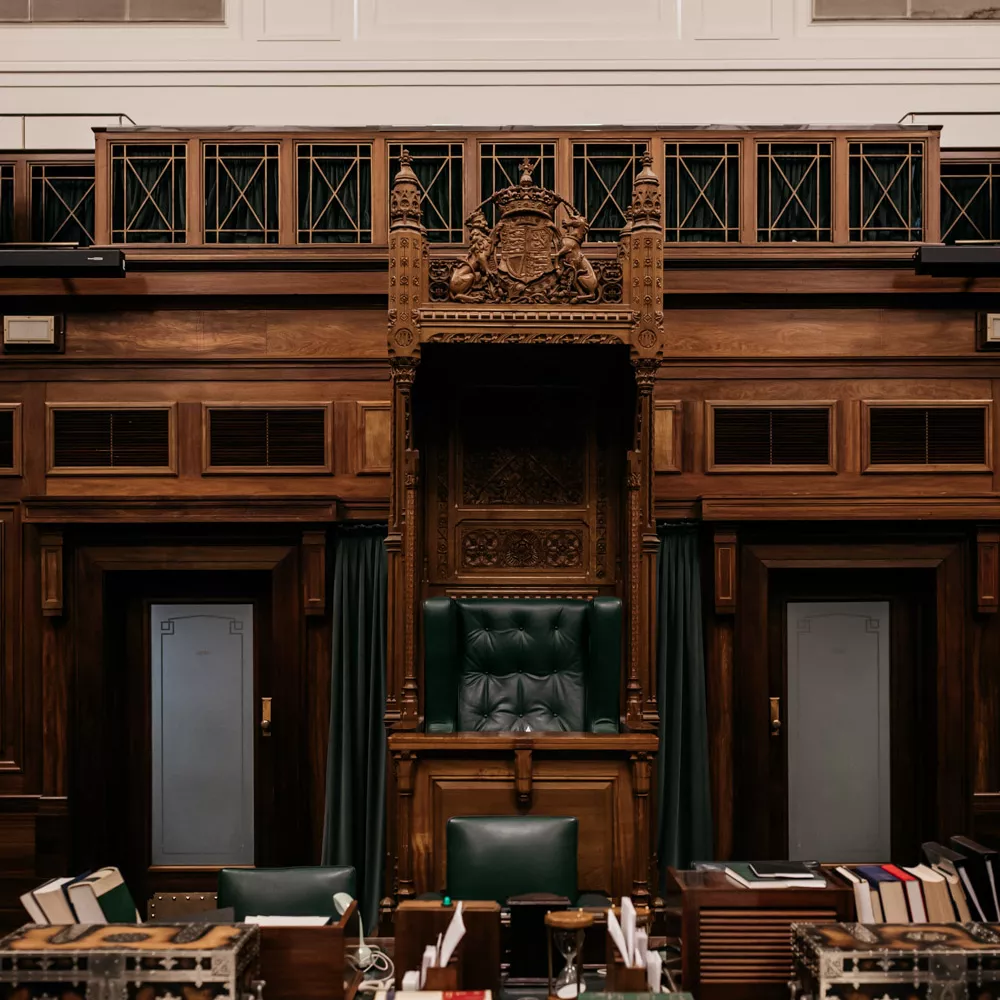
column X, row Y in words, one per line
column 522, row 548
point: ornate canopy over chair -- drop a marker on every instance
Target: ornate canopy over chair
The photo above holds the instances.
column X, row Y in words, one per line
column 521, row 541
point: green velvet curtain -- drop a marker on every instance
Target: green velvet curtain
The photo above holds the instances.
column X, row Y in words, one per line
column 685, row 812
column 354, row 827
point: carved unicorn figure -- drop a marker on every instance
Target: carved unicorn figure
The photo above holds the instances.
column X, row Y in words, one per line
column 574, row 229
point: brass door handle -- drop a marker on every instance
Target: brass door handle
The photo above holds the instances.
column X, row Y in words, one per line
column 265, row 716
column 775, row 716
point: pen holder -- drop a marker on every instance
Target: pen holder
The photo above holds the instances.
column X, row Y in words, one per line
column 444, row 979
column 620, row 978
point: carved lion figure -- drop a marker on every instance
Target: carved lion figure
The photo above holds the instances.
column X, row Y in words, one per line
column 574, row 229
column 474, row 271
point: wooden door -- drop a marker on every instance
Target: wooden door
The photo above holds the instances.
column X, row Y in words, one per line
column 908, row 597
column 182, row 638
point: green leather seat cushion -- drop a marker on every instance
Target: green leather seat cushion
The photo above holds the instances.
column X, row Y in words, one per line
column 496, row 857
column 522, row 665
column 285, row 892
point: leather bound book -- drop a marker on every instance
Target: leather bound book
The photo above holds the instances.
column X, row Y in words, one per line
column 982, row 869
column 947, row 860
column 937, row 898
column 890, row 891
column 914, row 894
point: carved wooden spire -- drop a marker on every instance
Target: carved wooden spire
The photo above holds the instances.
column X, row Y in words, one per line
column 646, row 210
column 404, row 202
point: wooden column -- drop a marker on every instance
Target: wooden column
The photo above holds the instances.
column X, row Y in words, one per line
column 642, row 767
column 641, row 254
column 407, row 289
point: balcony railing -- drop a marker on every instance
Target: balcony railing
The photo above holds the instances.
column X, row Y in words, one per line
column 725, row 190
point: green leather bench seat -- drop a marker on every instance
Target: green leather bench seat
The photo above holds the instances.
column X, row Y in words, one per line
column 284, row 892
column 496, row 857
column 495, row 665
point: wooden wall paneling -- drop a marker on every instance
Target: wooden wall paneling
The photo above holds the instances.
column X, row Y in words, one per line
column 668, row 436
column 932, row 188
column 374, row 438
column 195, row 193
column 288, row 177
column 725, row 571
column 719, row 698
column 987, row 570
column 102, row 190
column 313, row 563
column 51, row 553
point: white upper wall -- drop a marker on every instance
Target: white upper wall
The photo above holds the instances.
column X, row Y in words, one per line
column 501, row 62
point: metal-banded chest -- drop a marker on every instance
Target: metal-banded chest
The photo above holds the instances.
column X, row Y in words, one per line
column 896, row 961
column 129, row 962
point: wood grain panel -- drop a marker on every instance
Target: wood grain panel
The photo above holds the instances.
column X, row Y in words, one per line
column 667, row 436
column 821, row 333
column 374, row 438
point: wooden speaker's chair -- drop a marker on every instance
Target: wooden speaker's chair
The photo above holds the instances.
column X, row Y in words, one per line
column 495, row 665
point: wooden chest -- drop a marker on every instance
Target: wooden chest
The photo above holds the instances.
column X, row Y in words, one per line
column 897, row 961
column 129, row 962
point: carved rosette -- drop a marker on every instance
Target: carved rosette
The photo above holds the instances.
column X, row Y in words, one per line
column 407, row 261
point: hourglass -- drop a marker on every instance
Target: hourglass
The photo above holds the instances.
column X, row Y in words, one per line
column 565, row 930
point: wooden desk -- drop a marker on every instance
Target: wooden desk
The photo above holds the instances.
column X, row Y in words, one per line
column 603, row 780
column 736, row 943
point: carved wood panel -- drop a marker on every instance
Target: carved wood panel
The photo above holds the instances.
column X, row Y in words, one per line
column 523, row 480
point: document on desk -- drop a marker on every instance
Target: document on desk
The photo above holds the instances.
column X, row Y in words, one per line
column 277, row 921
column 615, row 930
column 452, row 936
column 628, row 930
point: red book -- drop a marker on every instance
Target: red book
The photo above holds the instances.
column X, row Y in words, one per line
column 914, row 893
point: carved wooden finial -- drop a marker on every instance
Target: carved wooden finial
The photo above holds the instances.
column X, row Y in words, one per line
column 646, row 205
column 527, row 168
column 406, row 196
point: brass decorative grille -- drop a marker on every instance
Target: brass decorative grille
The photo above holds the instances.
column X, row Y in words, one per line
column 499, row 164
column 148, row 198
column 335, row 193
column 6, row 202
column 702, row 192
column 438, row 166
column 794, row 199
column 970, row 201
column 62, row 203
column 603, row 174
column 886, row 191
column 241, row 192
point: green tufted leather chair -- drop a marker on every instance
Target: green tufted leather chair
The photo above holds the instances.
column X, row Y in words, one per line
column 284, row 892
column 495, row 665
column 496, row 857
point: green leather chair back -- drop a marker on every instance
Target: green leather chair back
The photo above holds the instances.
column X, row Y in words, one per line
column 496, row 857
column 495, row 665
column 284, row 892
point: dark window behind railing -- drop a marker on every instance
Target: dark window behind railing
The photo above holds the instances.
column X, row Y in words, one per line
column 241, row 192
column 6, row 202
column 970, row 201
column 886, row 191
column 334, row 192
column 62, row 203
column 603, row 174
column 148, row 193
column 794, row 192
column 701, row 192
column 439, row 170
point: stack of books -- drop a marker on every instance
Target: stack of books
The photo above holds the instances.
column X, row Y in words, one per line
column 958, row 882
column 99, row 897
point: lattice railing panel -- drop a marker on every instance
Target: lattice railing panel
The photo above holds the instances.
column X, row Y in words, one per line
column 148, row 192
column 241, row 192
column 334, row 192
column 701, row 192
column 438, row 166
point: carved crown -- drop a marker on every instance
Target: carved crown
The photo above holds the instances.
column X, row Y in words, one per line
column 526, row 196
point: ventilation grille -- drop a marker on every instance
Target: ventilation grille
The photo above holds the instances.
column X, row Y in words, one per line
column 757, row 436
column 267, row 439
column 110, row 439
column 933, row 435
column 6, row 439
column 750, row 946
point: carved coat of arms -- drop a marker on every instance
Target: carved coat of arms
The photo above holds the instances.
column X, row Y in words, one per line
column 526, row 257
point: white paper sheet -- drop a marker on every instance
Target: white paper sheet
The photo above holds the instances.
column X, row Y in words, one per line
column 428, row 960
column 615, row 930
column 452, row 936
column 641, row 947
column 274, row 921
column 628, row 930
column 654, row 971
